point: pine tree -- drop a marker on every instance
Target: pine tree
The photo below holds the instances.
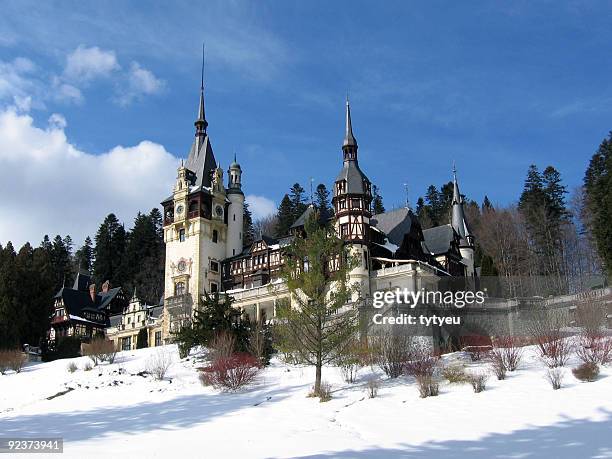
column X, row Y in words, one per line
column 377, row 201
column 11, row 319
column 322, row 203
column 248, row 232
column 598, row 190
column 298, row 206
column 61, row 259
column 109, row 250
column 84, row 256
column 486, row 204
column 142, row 340
column 284, row 217
column 316, row 329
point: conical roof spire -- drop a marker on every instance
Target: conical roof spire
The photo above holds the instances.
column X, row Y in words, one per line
column 201, row 123
column 457, row 199
column 458, row 220
column 349, row 138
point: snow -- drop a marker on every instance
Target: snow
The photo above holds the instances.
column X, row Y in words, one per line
column 114, row 411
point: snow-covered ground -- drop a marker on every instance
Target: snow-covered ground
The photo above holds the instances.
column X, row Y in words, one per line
column 114, row 412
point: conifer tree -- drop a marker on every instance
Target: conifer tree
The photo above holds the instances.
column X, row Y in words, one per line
column 284, row 217
column 248, row 232
column 322, row 203
column 109, row 251
column 377, row 201
column 298, row 205
column 84, row 256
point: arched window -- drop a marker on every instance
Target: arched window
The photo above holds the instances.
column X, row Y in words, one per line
column 179, row 288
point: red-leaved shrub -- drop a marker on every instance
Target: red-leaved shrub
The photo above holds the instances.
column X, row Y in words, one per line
column 595, row 349
column 231, row 373
column 508, row 351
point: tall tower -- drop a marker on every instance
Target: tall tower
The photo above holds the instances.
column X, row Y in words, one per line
column 235, row 210
column 460, row 225
column 195, row 227
column 352, row 198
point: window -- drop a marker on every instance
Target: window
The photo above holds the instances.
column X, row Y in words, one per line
column 344, row 230
column 126, row 343
column 213, row 287
column 129, row 320
column 215, row 236
column 214, row 266
column 234, row 217
column 182, row 235
column 158, row 340
column 365, row 259
column 179, row 289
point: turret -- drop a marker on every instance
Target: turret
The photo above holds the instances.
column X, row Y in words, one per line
column 235, row 209
column 460, row 225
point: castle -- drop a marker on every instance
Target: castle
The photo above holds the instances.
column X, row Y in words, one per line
column 203, row 233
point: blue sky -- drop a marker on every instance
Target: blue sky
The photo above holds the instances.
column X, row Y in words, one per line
column 493, row 87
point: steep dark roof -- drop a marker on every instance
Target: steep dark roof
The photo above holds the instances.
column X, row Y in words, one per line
column 355, row 178
column 395, row 224
column 301, row 221
column 201, row 161
column 438, row 239
column 156, row 311
column 81, row 282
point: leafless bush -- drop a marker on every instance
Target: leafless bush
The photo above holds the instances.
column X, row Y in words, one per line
column 595, row 349
column 507, row 350
column 87, row 367
column 325, row 392
column 100, row 350
column 391, row 352
column 350, row 360
column 231, row 373
column 586, row 372
column 556, row 353
column 421, row 362
column 72, row 367
column 428, row 386
column 12, row 359
column 372, row 387
column 591, row 318
column 222, row 346
column 159, row 363
column 478, row 381
column 454, row 374
column 555, row 377
column 498, row 366
column 477, row 353
column 544, row 329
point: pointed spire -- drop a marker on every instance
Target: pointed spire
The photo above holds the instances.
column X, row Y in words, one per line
column 349, row 138
column 201, row 123
column 458, row 220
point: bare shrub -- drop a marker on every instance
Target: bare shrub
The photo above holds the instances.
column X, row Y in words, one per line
column 100, row 350
column 222, row 346
column 498, row 366
column 325, row 392
column 556, row 352
column 372, row 387
column 544, row 329
column 421, row 362
column 428, row 386
column 159, row 363
column 350, row 360
column 72, row 367
column 591, row 318
column 454, row 374
column 555, row 377
column 586, row 372
column 595, row 349
column 231, row 373
column 12, row 359
column 87, row 367
column 478, row 381
column 391, row 352
column 477, row 353
column 507, row 350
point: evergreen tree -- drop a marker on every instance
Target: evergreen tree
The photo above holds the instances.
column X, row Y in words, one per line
column 486, row 204
column 322, row 203
column 142, row 340
column 284, row 217
column 298, row 204
column 61, row 260
column 316, row 329
column 377, row 201
column 248, row 232
column 11, row 318
column 109, row 251
column 598, row 190
column 84, row 256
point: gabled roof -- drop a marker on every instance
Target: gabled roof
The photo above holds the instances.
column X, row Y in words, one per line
column 438, row 239
column 201, row 161
column 395, row 224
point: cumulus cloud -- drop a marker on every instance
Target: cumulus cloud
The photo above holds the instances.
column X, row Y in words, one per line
column 260, row 206
column 49, row 186
column 85, row 64
column 16, row 82
column 139, row 82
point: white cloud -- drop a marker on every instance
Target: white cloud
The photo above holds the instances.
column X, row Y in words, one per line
column 140, row 82
column 16, row 82
column 85, row 64
column 260, row 206
column 48, row 186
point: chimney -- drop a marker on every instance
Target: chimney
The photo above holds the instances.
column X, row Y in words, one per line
column 105, row 286
column 92, row 292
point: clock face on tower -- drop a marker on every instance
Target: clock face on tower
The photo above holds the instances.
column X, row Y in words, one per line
column 219, row 211
column 181, row 266
column 179, row 209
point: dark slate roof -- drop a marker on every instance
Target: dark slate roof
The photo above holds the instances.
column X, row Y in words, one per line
column 395, row 224
column 81, row 282
column 354, row 177
column 201, row 162
column 103, row 299
column 156, row 311
column 301, row 221
column 115, row 320
column 438, row 239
